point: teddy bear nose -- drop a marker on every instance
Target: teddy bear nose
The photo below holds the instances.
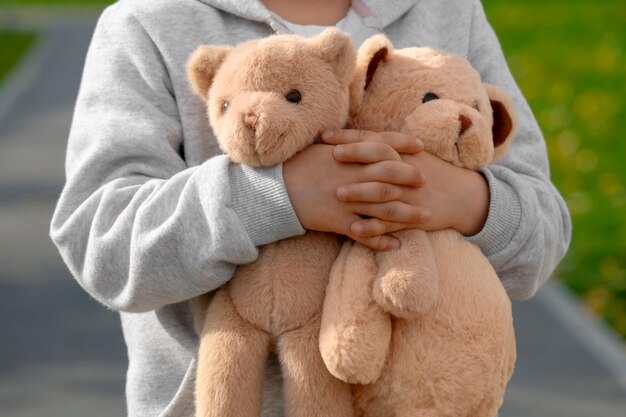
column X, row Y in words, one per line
column 250, row 119
column 464, row 124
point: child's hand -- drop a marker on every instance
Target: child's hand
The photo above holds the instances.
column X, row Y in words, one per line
column 453, row 197
column 315, row 179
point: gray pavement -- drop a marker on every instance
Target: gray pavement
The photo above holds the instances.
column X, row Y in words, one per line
column 62, row 354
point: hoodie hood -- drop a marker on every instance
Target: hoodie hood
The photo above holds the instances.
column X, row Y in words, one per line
column 375, row 13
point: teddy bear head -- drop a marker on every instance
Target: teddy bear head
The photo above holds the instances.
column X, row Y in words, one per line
column 269, row 98
column 433, row 95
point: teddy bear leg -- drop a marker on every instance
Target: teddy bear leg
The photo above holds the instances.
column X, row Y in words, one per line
column 355, row 332
column 232, row 358
column 407, row 280
column 310, row 390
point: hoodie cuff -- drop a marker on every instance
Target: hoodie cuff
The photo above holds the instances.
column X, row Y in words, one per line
column 259, row 197
column 503, row 220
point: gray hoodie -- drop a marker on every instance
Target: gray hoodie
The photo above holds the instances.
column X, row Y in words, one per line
column 152, row 215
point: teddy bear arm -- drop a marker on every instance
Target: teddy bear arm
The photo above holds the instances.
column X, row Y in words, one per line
column 355, row 332
column 407, row 281
column 232, row 358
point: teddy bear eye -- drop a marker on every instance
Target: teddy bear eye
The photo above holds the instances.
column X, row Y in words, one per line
column 293, row 96
column 225, row 106
column 429, row 96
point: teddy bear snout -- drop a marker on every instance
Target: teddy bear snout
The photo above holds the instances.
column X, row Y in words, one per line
column 250, row 119
column 464, row 124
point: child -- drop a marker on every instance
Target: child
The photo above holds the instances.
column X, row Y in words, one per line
column 152, row 216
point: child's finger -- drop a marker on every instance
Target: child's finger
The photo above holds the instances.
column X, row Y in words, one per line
column 401, row 142
column 393, row 211
column 369, row 192
column 343, row 136
column 376, row 227
column 365, row 152
column 394, row 172
column 380, row 243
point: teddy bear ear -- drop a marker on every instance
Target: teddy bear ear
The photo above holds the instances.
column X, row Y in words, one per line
column 504, row 120
column 203, row 65
column 337, row 48
column 371, row 54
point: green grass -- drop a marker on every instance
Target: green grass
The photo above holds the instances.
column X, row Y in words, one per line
column 569, row 58
column 12, row 47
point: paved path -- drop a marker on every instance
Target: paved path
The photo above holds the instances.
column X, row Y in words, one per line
column 62, row 354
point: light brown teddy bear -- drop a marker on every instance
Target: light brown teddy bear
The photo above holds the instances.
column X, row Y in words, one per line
column 268, row 99
column 427, row 329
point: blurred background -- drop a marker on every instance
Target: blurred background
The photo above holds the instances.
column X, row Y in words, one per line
column 569, row 58
column 62, row 354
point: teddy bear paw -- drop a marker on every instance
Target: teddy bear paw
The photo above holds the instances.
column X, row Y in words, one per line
column 405, row 293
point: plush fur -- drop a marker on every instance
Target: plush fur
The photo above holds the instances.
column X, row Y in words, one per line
column 427, row 329
column 273, row 304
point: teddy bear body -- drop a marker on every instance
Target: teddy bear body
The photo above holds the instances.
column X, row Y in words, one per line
column 268, row 99
column 457, row 356
column 272, row 305
column 426, row 330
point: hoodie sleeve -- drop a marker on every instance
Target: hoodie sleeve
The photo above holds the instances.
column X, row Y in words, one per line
column 528, row 228
column 137, row 228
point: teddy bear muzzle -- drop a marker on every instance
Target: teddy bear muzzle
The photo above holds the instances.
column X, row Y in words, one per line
column 262, row 129
column 464, row 124
column 250, row 119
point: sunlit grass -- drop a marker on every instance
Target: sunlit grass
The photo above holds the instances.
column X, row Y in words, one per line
column 569, row 58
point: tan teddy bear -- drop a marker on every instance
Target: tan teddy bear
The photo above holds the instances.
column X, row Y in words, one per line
column 268, row 99
column 427, row 329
